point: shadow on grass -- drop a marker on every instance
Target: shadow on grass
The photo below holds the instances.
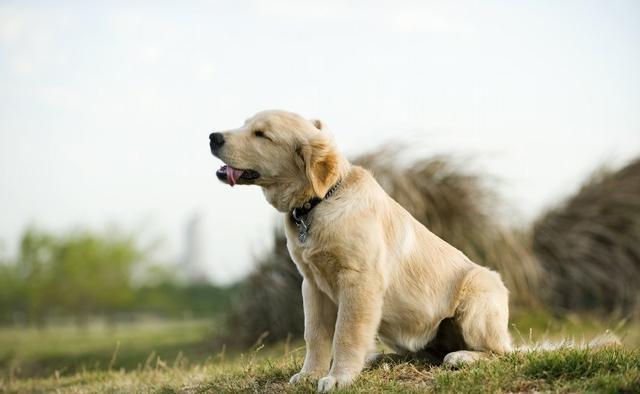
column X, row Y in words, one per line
column 420, row 359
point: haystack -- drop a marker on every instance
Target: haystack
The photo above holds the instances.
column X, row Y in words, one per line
column 590, row 245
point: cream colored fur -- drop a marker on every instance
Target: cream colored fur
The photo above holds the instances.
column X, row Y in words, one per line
column 369, row 268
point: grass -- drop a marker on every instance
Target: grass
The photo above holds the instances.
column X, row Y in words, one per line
column 65, row 349
column 610, row 370
column 568, row 370
column 175, row 358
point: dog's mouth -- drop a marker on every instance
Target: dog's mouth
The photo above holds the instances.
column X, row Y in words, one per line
column 233, row 176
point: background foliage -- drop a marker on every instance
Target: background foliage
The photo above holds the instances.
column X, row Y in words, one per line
column 83, row 274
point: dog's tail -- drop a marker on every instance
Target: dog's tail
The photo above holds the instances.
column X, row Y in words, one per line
column 606, row 340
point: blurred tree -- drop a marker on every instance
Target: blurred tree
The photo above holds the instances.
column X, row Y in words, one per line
column 34, row 281
column 83, row 274
column 12, row 300
column 92, row 274
column 79, row 273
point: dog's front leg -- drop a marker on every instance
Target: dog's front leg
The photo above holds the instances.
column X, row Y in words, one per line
column 319, row 322
column 359, row 312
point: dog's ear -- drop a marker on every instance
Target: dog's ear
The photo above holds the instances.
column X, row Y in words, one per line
column 317, row 123
column 321, row 165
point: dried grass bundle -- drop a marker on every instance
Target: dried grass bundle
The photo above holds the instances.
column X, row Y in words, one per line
column 590, row 245
column 269, row 305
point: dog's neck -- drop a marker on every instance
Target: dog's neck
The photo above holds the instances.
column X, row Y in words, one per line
column 285, row 197
column 308, row 205
column 300, row 215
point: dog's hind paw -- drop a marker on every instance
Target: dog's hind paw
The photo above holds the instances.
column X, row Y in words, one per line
column 462, row 357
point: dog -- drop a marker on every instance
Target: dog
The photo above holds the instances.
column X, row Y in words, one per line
column 369, row 268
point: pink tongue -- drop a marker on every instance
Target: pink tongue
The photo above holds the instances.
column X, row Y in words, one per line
column 233, row 175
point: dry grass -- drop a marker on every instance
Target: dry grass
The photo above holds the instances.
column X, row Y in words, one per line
column 590, row 245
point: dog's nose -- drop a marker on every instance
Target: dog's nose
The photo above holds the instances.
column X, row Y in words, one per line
column 216, row 139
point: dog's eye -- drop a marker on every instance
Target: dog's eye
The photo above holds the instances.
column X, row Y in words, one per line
column 259, row 133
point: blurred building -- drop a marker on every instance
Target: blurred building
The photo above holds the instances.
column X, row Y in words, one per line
column 193, row 261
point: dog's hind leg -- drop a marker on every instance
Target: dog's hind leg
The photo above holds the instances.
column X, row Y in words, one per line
column 483, row 316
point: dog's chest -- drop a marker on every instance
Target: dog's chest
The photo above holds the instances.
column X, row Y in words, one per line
column 319, row 267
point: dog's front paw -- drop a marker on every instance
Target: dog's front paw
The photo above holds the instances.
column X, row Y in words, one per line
column 297, row 378
column 330, row 382
column 304, row 375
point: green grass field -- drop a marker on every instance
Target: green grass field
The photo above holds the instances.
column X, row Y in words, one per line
column 178, row 357
column 66, row 349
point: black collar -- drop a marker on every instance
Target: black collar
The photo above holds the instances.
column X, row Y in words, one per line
column 300, row 215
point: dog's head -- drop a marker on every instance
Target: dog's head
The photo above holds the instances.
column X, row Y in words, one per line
column 290, row 157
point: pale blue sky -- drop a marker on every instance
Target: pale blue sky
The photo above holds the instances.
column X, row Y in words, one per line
column 105, row 107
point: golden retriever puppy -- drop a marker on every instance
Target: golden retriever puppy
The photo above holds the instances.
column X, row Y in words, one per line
column 368, row 267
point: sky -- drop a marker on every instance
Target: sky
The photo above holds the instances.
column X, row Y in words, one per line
column 106, row 107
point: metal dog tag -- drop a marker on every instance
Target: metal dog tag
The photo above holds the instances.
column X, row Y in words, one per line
column 302, row 230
